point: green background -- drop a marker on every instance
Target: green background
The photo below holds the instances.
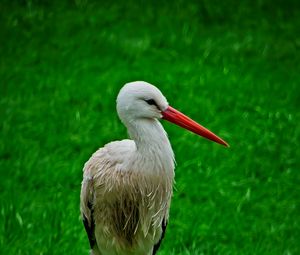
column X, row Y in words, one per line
column 233, row 66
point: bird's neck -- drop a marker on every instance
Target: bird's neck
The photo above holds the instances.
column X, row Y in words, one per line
column 152, row 143
column 147, row 133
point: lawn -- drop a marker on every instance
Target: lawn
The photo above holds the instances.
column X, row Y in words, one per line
column 234, row 66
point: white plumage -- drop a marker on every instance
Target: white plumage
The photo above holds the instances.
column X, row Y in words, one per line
column 127, row 185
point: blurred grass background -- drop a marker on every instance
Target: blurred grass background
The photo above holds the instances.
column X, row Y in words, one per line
column 232, row 65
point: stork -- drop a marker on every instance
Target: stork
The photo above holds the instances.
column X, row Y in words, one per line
column 127, row 185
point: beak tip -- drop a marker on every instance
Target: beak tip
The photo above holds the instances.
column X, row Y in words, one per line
column 225, row 144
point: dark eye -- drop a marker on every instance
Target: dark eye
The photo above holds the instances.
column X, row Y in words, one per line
column 151, row 102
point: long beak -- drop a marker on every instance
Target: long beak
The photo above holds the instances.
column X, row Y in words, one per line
column 178, row 118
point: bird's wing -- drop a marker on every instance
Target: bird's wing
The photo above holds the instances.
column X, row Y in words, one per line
column 156, row 246
column 86, row 206
column 90, row 228
column 111, row 154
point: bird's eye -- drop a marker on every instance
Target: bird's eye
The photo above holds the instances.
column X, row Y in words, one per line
column 151, row 102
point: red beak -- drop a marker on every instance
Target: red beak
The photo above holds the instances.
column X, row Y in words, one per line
column 184, row 121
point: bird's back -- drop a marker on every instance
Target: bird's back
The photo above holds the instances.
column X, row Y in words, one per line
column 124, row 209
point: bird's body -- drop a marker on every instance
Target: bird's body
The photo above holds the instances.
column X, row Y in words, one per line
column 127, row 185
column 129, row 204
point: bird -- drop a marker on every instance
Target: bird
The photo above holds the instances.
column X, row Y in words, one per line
column 127, row 185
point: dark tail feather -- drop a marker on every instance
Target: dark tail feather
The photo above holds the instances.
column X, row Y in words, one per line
column 156, row 246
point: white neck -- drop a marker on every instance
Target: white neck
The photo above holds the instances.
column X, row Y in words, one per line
column 153, row 146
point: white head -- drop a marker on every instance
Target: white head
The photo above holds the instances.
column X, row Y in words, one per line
column 140, row 100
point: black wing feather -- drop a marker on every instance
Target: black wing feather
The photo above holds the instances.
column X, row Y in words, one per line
column 90, row 228
column 156, row 246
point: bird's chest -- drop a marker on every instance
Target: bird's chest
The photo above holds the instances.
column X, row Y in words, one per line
column 131, row 207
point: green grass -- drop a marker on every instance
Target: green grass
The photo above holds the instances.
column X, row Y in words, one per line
column 232, row 65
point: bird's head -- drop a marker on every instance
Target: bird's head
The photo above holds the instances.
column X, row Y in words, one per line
column 141, row 100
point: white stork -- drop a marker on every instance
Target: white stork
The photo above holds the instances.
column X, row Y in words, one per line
column 127, row 185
